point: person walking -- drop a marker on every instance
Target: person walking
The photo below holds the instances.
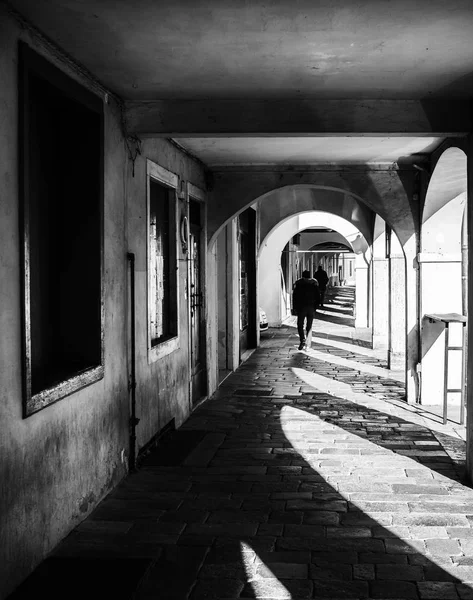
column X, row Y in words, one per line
column 305, row 300
column 321, row 276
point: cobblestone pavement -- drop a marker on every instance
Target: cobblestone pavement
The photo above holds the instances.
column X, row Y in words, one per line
column 302, row 478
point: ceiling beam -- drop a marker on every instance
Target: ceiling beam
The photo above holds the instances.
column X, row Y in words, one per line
column 283, row 118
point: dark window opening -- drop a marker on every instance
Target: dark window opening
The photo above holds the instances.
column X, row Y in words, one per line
column 194, row 212
column 62, row 229
column 244, row 258
column 247, row 279
column 162, row 255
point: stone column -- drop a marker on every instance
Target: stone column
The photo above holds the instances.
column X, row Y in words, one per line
column 397, row 312
column 380, row 292
column 212, row 319
column 380, row 287
column 361, row 292
column 233, row 297
column 220, row 287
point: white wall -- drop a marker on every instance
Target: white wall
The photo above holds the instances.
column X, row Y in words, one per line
column 269, row 273
column 440, row 269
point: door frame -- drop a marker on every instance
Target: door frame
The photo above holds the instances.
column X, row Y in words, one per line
column 198, row 195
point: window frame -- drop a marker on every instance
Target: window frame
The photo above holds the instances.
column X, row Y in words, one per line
column 171, row 181
column 33, row 64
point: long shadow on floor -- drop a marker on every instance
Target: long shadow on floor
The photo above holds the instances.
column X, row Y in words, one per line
column 308, row 538
column 271, row 506
column 311, row 496
column 345, row 339
column 400, row 435
column 346, row 321
column 382, row 387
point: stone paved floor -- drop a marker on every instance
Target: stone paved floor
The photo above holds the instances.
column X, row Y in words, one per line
column 311, row 479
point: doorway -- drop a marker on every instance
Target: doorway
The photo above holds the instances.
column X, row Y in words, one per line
column 197, row 325
column 247, row 279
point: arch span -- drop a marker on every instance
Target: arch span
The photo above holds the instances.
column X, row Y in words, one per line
column 386, row 192
column 307, row 219
column 448, row 181
column 443, row 274
column 271, row 284
column 442, row 234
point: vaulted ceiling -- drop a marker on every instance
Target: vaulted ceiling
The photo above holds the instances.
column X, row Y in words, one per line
column 207, row 54
column 149, row 49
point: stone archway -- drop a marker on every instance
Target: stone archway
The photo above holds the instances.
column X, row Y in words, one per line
column 389, row 294
column 385, row 192
column 442, row 264
column 271, row 290
column 355, row 196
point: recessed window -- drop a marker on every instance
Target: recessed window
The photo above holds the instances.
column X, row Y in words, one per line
column 243, row 268
column 61, row 184
column 162, row 262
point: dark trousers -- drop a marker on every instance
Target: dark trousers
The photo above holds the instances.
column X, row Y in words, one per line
column 322, row 294
column 305, row 314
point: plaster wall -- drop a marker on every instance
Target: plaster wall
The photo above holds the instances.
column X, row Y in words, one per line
column 269, row 273
column 221, row 304
column 362, row 292
column 397, row 326
column 213, row 320
column 441, row 293
column 441, row 233
column 412, row 327
column 59, row 462
column 379, row 298
column 397, row 304
column 162, row 391
column 380, row 302
column 440, row 278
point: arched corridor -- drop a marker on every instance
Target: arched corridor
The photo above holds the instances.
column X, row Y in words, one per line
column 168, row 173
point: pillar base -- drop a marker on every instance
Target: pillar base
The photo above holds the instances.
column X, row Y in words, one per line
column 396, row 361
column 380, row 342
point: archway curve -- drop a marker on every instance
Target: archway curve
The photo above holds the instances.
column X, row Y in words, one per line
column 387, row 192
column 443, row 218
column 363, row 205
column 442, row 264
column 318, row 218
column 447, row 182
column 270, row 275
column 331, row 246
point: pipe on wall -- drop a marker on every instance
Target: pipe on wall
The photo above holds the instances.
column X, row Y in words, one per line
column 132, row 381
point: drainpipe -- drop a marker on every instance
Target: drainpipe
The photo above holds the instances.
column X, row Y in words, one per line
column 464, row 242
column 421, row 184
column 132, row 381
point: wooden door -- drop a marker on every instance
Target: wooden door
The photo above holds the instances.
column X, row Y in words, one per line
column 197, row 329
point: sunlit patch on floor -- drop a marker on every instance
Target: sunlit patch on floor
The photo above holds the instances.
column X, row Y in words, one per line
column 264, row 582
column 355, row 365
column 381, row 483
column 343, row 345
column 338, row 389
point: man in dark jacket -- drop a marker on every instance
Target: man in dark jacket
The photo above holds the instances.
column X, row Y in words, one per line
column 305, row 300
column 321, row 276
